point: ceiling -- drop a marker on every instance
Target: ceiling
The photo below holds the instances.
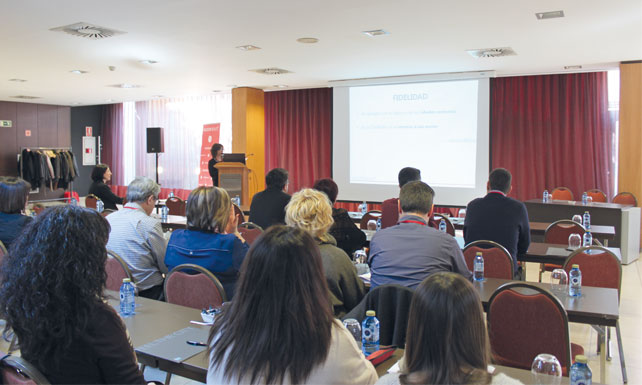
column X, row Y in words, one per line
column 194, row 43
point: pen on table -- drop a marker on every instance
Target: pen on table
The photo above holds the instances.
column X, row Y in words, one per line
column 196, row 343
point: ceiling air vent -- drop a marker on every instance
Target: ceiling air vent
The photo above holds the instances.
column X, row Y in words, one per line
column 87, row 30
column 491, row 52
column 25, row 97
column 271, row 71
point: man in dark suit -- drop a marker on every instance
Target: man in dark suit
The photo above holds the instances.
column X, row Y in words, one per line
column 499, row 218
column 268, row 206
column 390, row 207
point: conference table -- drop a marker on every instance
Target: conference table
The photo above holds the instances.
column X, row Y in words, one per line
column 155, row 321
column 624, row 218
column 538, row 229
column 539, row 252
column 524, row 376
column 174, row 222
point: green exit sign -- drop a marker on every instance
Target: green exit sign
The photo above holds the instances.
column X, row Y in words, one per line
column 5, row 123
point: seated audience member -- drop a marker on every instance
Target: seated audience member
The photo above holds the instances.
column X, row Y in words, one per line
column 138, row 238
column 217, row 157
column 390, row 207
column 447, row 340
column 14, row 194
column 212, row 239
column 101, row 174
column 310, row 210
column 268, row 206
column 348, row 236
column 280, row 328
column 411, row 251
column 499, row 218
column 51, row 294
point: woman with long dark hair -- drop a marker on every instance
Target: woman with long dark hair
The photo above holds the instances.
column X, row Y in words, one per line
column 100, row 175
column 447, row 340
column 14, row 194
column 280, row 328
column 51, row 294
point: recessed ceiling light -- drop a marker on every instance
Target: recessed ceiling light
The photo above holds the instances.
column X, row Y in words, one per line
column 491, row 52
column 575, row 67
column 549, row 15
column 109, row 100
column 307, row 40
column 125, row 85
column 147, row 61
column 280, row 86
column 375, row 32
column 216, row 91
column 75, row 103
column 231, row 86
column 78, row 72
column 248, row 47
column 17, row 80
column 158, row 96
column 271, row 71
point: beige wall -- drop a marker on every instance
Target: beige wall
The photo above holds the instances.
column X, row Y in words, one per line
column 248, row 133
column 630, row 161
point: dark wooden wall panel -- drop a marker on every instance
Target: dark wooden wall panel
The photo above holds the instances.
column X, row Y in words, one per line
column 50, row 126
column 8, row 140
column 47, row 125
column 27, row 120
column 64, row 126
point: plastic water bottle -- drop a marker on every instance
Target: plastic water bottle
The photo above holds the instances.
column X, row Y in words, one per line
column 237, row 200
column 442, row 225
column 545, row 197
column 171, row 194
column 74, row 202
column 575, row 281
column 584, row 198
column 586, row 220
column 587, row 239
column 127, row 297
column 580, row 373
column 100, row 206
column 370, row 333
column 164, row 213
column 478, row 267
column 378, row 224
column 364, row 208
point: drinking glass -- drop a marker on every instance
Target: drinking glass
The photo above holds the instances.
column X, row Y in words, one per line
column 574, row 241
column 359, row 256
column 546, row 369
column 354, row 327
column 559, row 280
column 372, row 224
column 577, row 218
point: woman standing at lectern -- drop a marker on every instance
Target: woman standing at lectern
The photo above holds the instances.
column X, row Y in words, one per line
column 217, row 156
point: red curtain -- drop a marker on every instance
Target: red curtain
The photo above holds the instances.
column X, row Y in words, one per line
column 553, row 130
column 298, row 134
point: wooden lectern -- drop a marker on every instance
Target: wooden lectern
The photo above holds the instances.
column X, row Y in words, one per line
column 232, row 176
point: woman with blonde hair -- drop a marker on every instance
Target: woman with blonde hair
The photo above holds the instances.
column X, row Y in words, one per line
column 311, row 210
column 212, row 239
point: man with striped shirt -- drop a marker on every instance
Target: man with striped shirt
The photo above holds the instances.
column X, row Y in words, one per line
column 138, row 238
